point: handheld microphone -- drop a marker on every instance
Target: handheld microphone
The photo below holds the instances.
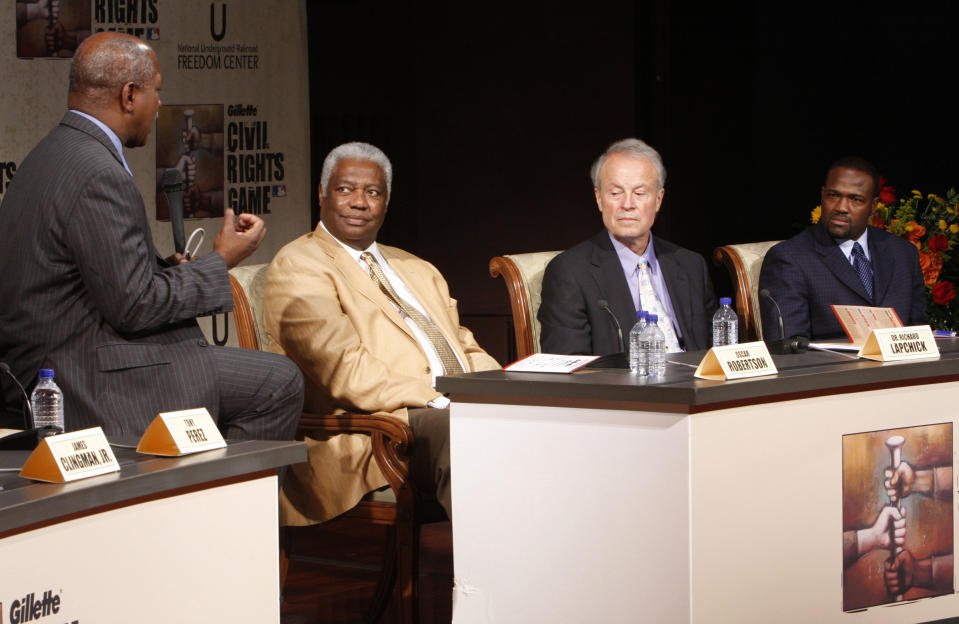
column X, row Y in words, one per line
column 619, row 329
column 796, row 344
column 28, row 412
column 173, row 189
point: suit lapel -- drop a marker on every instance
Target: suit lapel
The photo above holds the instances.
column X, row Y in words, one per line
column 882, row 274
column 359, row 280
column 677, row 287
column 413, row 279
column 422, row 283
column 607, row 270
column 838, row 265
column 416, row 279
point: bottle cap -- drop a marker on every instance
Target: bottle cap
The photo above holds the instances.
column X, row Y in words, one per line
column 46, row 373
column 641, row 314
column 652, row 318
column 725, row 301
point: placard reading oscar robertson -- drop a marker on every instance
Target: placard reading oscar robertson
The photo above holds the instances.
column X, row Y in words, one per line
column 750, row 359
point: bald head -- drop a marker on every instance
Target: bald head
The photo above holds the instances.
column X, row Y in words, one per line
column 105, row 62
column 114, row 77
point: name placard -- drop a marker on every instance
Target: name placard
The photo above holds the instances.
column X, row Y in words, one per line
column 181, row 433
column 750, row 359
column 900, row 343
column 71, row 456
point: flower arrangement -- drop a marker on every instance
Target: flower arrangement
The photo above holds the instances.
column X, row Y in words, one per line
column 931, row 223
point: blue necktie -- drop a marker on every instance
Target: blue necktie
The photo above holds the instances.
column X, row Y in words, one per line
column 862, row 267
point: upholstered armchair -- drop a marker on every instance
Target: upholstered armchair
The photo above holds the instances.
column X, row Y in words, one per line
column 744, row 262
column 523, row 274
column 394, row 506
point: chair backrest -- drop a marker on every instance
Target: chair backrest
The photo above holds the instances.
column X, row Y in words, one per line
column 523, row 274
column 743, row 262
column 247, row 283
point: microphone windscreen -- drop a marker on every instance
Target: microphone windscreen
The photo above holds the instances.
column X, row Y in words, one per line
column 172, row 180
column 173, row 189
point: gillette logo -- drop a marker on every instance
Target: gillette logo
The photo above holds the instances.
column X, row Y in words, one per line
column 30, row 609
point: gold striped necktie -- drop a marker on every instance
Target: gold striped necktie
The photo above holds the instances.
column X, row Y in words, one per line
column 443, row 349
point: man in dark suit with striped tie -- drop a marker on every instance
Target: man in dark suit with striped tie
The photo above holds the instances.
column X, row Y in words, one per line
column 84, row 291
column 842, row 260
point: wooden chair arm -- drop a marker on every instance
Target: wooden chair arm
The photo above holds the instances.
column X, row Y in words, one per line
column 392, row 441
column 518, row 301
column 243, row 318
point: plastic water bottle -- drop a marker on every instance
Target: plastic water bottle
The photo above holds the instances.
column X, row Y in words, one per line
column 725, row 324
column 655, row 339
column 638, row 357
column 47, row 402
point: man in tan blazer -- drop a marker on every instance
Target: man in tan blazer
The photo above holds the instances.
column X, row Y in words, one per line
column 362, row 346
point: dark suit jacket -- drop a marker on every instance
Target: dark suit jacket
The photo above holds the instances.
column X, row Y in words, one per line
column 84, row 293
column 572, row 320
column 808, row 273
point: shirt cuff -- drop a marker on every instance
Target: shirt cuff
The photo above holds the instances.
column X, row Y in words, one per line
column 440, row 402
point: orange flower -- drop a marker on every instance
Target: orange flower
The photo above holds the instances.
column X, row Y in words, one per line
column 931, row 265
column 914, row 232
column 877, row 221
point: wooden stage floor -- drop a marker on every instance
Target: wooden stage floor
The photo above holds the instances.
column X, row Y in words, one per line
column 334, row 568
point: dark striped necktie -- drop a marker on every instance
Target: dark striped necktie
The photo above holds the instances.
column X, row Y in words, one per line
column 863, row 268
column 432, row 332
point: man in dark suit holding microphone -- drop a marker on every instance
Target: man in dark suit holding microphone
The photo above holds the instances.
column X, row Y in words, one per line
column 85, row 292
column 842, row 260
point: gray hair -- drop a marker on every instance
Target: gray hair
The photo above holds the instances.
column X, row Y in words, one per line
column 357, row 151
column 633, row 148
column 111, row 64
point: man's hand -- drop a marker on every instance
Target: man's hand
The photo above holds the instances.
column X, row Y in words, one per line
column 910, row 480
column 877, row 536
column 900, row 574
column 903, row 476
column 236, row 241
column 176, row 259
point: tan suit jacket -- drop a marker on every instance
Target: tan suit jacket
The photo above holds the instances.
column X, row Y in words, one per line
column 357, row 354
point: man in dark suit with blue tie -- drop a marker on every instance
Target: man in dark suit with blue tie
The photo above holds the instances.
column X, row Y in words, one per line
column 84, row 291
column 842, row 260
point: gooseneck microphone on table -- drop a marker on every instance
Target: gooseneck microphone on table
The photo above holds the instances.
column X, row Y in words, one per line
column 173, row 189
column 796, row 344
column 619, row 328
column 30, row 437
column 27, row 411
